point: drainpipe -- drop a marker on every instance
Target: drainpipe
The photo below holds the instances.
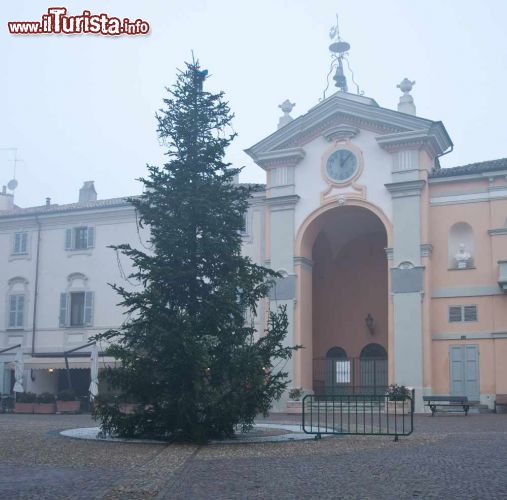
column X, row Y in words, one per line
column 36, row 285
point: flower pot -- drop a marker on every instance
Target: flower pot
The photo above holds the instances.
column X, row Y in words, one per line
column 128, row 408
column 23, row 407
column 294, row 406
column 399, row 407
column 68, row 406
column 44, row 408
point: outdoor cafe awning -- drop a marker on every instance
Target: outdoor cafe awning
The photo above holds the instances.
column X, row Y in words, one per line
column 59, row 363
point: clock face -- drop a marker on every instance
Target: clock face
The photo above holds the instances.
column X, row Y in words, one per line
column 341, row 165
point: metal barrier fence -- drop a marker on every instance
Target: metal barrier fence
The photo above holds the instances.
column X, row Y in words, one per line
column 358, row 414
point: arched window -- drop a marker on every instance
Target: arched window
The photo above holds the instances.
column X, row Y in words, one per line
column 76, row 303
column 17, row 303
column 336, row 353
column 373, row 351
column 461, row 246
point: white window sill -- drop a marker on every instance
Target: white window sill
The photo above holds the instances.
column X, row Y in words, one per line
column 72, row 253
column 19, row 256
column 15, row 328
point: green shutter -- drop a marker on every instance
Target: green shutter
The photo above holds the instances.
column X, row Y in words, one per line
column 64, row 298
column 68, row 239
column 88, row 309
column 91, row 237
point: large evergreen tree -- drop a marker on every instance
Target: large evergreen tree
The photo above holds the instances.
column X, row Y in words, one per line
column 188, row 357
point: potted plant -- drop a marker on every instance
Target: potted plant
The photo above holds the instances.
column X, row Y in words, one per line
column 294, row 405
column 24, row 402
column 67, row 402
column 398, row 399
column 45, row 403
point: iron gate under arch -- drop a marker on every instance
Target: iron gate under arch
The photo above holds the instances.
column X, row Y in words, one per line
column 349, row 376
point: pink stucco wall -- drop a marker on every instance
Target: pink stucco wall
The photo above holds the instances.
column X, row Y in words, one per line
column 349, row 283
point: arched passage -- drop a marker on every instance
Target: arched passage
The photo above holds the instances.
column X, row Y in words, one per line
column 343, row 279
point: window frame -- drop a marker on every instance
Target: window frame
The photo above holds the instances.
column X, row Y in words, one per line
column 17, row 311
column 462, row 308
column 24, row 240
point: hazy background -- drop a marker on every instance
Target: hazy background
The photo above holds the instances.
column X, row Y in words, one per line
column 82, row 107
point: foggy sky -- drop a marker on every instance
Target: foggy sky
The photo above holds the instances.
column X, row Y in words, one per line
column 82, row 107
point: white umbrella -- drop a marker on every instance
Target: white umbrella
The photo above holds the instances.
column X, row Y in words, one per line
column 94, row 372
column 19, row 367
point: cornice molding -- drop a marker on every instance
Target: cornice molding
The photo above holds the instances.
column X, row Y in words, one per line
column 340, row 132
column 282, row 157
column 339, row 109
column 282, row 202
column 303, row 262
column 433, row 140
column 405, row 188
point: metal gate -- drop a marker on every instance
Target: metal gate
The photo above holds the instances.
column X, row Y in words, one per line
column 343, row 376
column 358, row 414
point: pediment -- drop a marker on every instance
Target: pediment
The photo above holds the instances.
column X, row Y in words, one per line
column 343, row 116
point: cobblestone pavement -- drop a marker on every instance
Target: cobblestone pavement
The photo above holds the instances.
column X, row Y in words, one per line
column 448, row 456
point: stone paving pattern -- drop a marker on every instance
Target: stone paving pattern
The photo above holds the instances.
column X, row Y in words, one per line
column 448, row 456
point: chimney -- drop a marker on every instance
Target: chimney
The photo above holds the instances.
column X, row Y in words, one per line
column 406, row 104
column 87, row 192
column 6, row 200
column 48, row 202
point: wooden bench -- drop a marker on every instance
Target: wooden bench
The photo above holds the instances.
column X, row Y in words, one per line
column 434, row 402
column 501, row 403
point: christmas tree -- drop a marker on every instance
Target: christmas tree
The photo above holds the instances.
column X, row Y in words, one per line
column 190, row 359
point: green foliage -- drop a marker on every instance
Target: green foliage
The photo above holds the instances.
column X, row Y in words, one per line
column 66, row 395
column 26, row 397
column 398, row 392
column 188, row 357
column 46, row 397
column 296, row 393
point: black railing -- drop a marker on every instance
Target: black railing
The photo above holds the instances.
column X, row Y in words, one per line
column 349, row 376
column 358, row 414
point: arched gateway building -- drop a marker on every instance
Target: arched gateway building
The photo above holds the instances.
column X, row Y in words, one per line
column 393, row 267
column 394, row 270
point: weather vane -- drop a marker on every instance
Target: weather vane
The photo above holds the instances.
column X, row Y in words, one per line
column 339, row 49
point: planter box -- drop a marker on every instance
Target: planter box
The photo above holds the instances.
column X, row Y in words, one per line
column 68, row 406
column 399, row 407
column 128, row 408
column 294, row 406
column 23, row 407
column 44, row 408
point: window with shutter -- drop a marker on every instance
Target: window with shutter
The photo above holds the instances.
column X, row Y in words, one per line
column 20, row 243
column 470, row 313
column 88, row 309
column 16, row 311
column 455, row 315
column 64, row 299
column 79, row 238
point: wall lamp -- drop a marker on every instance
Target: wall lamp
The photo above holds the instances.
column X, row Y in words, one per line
column 370, row 323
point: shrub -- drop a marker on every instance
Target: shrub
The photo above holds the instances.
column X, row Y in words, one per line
column 296, row 393
column 398, row 393
column 66, row 395
column 46, row 397
column 26, row 397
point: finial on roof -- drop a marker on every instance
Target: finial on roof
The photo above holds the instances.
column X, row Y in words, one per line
column 406, row 104
column 286, row 107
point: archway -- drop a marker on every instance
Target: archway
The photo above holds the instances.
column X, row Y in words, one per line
column 373, row 369
column 343, row 280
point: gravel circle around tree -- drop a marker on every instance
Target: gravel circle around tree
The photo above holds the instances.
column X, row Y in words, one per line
column 261, row 433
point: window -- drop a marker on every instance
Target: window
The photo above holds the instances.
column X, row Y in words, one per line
column 16, row 311
column 79, row 238
column 20, row 246
column 76, row 309
column 458, row 314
